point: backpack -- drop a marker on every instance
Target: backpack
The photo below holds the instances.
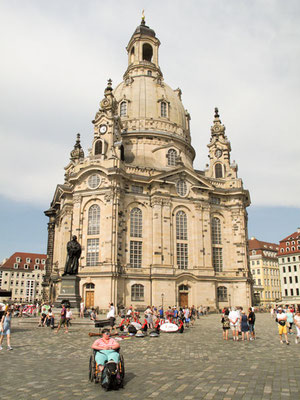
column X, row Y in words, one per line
column 226, row 323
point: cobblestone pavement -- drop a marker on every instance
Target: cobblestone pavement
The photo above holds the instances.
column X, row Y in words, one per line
column 195, row 365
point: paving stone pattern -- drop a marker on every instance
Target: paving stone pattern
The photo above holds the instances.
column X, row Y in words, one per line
column 195, row 365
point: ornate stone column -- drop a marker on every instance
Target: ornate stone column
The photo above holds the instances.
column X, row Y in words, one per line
column 51, row 213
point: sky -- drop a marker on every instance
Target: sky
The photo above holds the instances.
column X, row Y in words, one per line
column 240, row 56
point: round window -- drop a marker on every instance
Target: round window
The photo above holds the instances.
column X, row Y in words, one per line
column 181, row 187
column 94, row 181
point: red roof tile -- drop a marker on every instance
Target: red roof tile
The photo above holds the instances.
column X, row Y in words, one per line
column 9, row 264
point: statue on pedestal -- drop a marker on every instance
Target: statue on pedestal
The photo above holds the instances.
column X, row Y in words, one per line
column 74, row 252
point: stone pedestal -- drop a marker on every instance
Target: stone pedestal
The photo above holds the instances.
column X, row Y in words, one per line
column 69, row 290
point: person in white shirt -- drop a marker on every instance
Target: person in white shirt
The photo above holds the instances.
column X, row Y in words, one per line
column 82, row 309
column 297, row 324
column 234, row 317
column 282, row 320
column 111, row 317
column 68, row 319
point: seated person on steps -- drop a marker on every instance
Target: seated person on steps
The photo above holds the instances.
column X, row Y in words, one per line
column 106, row 347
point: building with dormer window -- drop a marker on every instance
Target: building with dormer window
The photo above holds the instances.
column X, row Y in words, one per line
column 151, row 226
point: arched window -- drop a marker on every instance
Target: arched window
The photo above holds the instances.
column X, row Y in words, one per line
column 136, row 222
column 132, row 55
column 216, row 231
column 163, row 109
column 137, row 292
column 123, row 109
column 90, row 286
column 218, row 171
column 94, row 220
column 98, row 147
column 181, row 238
column 217, row 250
column 181, row 225
column 222, row 293
column 183, row 288
column 136, row 230
column 171, row 156
column 147, row 52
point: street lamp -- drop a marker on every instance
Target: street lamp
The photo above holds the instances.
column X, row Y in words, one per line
column 162, row 301
column 229, row 300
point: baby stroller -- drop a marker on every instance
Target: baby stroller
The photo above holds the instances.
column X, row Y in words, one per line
column 112, row 376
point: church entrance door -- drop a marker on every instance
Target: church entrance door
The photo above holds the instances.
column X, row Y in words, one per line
column 89, row 299
column 183, row 299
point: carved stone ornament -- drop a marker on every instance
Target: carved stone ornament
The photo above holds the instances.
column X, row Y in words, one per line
column 77, row 153
column 218, row 128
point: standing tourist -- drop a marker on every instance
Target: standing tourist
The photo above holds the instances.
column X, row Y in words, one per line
column 226, row 324
column 290, row 319
column 111, row 317
column 62, row 320
column 234, row 323
column 68, row 319
column 244, row 325
column 251, row 322
column 282, row 319
column 82, row 308
column 5, row 326
column 297, row 324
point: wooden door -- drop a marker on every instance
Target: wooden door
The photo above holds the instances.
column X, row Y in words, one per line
column 89, row 299
column 183, row 299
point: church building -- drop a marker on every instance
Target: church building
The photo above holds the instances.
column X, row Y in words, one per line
column 153, row 230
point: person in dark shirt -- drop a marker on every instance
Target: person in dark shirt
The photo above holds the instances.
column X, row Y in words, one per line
column 251, row 322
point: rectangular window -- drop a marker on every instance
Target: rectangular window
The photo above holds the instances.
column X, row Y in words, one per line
column 258, row 272
column 253, row 262
column 292, row 292
column 295, row 268
column 16, row 266
column 136, row 189
column 284, row 280
column 135, row 254
column 296, row 279
column 92, row 253
column 285, row 292
column 291, row 279
column 182, row 255
column 217, row 259
column 283, row 270
column 137, row 292
column 297, row 292
column 28, row 260
column 290, row 268
column 257, row 262
column 259, row 281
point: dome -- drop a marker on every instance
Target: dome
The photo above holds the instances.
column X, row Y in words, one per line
column 144, row 96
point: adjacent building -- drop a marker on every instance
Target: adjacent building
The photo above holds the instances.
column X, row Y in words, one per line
column 22, row 274
column 289, row 263
column 152, row 228
column 265, row 272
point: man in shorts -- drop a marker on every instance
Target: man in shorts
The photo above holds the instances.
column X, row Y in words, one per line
column 111, row 317
column 234, row 323
column 282, row 320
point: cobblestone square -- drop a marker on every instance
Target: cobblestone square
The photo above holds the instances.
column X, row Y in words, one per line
column 195, row 365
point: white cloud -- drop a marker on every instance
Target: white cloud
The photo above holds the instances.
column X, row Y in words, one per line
column 240, row 56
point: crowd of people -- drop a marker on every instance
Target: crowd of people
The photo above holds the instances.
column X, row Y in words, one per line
column 240, row 323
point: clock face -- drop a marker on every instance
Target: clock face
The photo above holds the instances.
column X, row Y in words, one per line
column 103, row 128
column 218, row 153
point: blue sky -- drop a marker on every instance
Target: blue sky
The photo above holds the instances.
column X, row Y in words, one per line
column 56, row 57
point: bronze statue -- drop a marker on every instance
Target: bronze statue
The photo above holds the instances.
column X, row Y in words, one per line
column 74, row 252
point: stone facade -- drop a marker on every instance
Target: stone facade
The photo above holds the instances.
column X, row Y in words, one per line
column 265, row 272
column 152, row 228
column 289, row 264
column 22, row 274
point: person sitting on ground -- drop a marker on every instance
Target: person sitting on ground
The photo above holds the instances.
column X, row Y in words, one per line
column 93, row 315
column 106, row 347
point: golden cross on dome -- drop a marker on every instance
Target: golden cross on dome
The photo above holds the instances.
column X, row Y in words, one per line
column 143, row 16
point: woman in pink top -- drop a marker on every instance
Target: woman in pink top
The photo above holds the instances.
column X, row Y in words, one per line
column 106, row 347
